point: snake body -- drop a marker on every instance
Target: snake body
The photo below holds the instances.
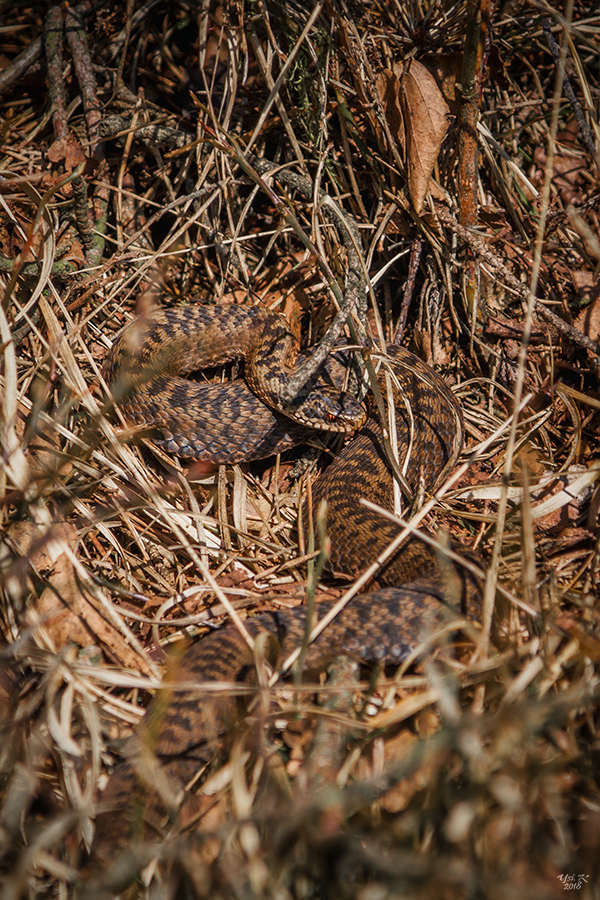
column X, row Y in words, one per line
column 381, row 626
column 241, row 421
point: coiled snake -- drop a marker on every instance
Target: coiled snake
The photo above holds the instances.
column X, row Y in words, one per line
column 229, row 423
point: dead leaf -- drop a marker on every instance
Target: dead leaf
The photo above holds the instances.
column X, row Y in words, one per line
column 64, row 609
column 569, row 136
column 567, row 174
column 61, row 623
column 418, row 115
column 68, row 149
column 71, row 250
column 397, row 749
column 588, row 320
column 446, row 68
column 388, row 88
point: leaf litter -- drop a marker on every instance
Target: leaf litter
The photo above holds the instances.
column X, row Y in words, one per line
column 471, row 769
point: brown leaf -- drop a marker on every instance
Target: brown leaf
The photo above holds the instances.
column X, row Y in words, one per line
column 68, row 149
column 388, row 88
column 64, row 609
column 567, row 174
column 418, row 116
column 396, row 749
column 588, row 320
column 446, row 68
column 73, row 250
column 68, row 615
column 62, row 624
column 426, row 122
column 585, row 283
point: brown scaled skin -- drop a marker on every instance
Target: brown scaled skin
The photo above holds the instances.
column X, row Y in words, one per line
column 383, row 626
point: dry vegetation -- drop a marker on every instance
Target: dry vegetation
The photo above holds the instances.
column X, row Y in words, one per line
column 467, row 775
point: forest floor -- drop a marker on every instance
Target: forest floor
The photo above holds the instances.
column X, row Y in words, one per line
column 462, row 140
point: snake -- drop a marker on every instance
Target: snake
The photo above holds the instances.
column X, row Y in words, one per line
column 247, row 419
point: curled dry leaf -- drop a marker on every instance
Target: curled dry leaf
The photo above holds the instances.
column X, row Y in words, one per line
column 418, row 115
column 64, row 609
column 68, row 149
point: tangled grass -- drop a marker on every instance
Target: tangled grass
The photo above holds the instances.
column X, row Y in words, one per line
column 471, row 773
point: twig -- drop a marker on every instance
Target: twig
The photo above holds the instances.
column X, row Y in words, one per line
column 20, row 64
column 116, row 127
column 53, row 41
column 84, row 70
column 32, row 53
column 467, row 141
column 413, row 268
column 573, row 333
column 587, row 136
column 53, row 38
column 476, row 243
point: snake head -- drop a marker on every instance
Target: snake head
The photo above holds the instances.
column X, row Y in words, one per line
column 328, row 409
